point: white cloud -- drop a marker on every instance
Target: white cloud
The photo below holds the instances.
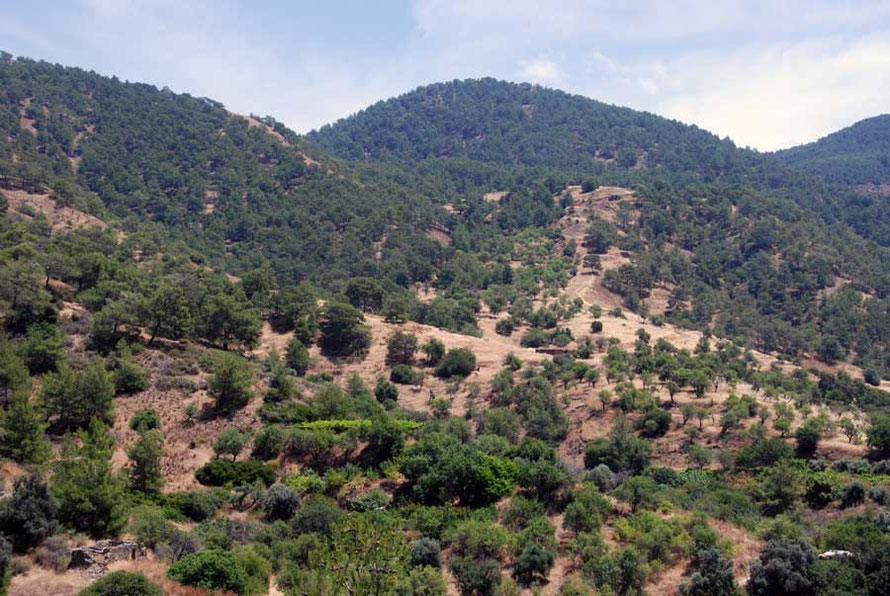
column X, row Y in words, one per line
column 540, row 70
column 779, row 95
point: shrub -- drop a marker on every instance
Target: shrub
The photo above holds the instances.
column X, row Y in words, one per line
column 267, row 443
column 145, row 420
column 505, row 327
column 586, row 510
column 808, row 436
column 150, row 526
column 532, row 564
column 296, row 356
column 713, row 575
column 221, row 472
column 476, row 576
column 29, row 515
column 401, row 348
column 385, row 391
column 405, row 375
column 621, row 451
column 230, row 441
column 426, row 551
column 211, row 570
column 255, row 568
column 230, row 383
column 852, row 494
column 654, row 423
column 122, row 583
column 197, row 506
column 318, row 514
column 782, row 569
column 596, row 327
column 280, row 502
column 458, row 362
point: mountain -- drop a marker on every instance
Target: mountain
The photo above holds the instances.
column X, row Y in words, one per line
column 523, row 125
column 480, row 338
column 856, row 155
column 745, row 244
column 229, row 190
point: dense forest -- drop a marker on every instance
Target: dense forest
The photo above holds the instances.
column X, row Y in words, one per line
column 483, row 338
column 855, row 155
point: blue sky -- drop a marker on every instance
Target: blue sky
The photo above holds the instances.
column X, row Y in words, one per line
column 766, row 74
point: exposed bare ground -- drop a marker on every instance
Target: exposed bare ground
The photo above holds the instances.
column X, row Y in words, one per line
column 60, row 218
column 69, row 583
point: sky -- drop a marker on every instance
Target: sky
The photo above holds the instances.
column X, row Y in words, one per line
column 768, row 75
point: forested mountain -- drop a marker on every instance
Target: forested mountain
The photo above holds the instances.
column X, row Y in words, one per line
column 484, row 337
column 856, row 155
column 526, row 125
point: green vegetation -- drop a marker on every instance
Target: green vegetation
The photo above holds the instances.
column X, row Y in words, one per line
column 658, row 461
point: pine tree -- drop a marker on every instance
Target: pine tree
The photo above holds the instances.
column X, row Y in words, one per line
column 23, row 431
column 91, row 498
column 145, row 456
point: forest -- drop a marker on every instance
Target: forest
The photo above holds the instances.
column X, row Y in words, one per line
column 483, row 338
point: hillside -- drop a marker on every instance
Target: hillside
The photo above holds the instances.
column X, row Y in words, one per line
column 858, row 155
column 483, row 338
column 524, row 125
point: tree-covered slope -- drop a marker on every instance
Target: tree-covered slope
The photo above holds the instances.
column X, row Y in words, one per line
column 522, row 124
column 859, row 154
column 182, row 174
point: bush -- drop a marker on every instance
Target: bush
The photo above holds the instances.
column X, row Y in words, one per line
column 405, row 375
column 280, row 502
column 211, row 570
column 621, row 451
column 782, row 569
column 596, row 327
column 852, row 495
column 296, row 356
column 385, row 391
column 230, row 441
column 713, row 575
column 123, row 583
column 267, row 443
column 532, row 564
column 586, row 510
column 29, row 515
column 654, row 423
column 458, row 362
column 230, row 383
column 255, row 568
column 150, row 526
column 318, row 514
column 426, row 551
column 808, row 436
column 401, row 348
column 505, row 327
column 476, row 576
column 222, row 472
column 197, row 506
column 145, row 420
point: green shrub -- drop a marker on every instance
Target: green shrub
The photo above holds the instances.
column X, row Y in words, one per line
column 122, row 583
column 211, row 570
column 458, row 362
column 196, row 505
column 403, row 374
column 222, row 472
column 145, row 420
